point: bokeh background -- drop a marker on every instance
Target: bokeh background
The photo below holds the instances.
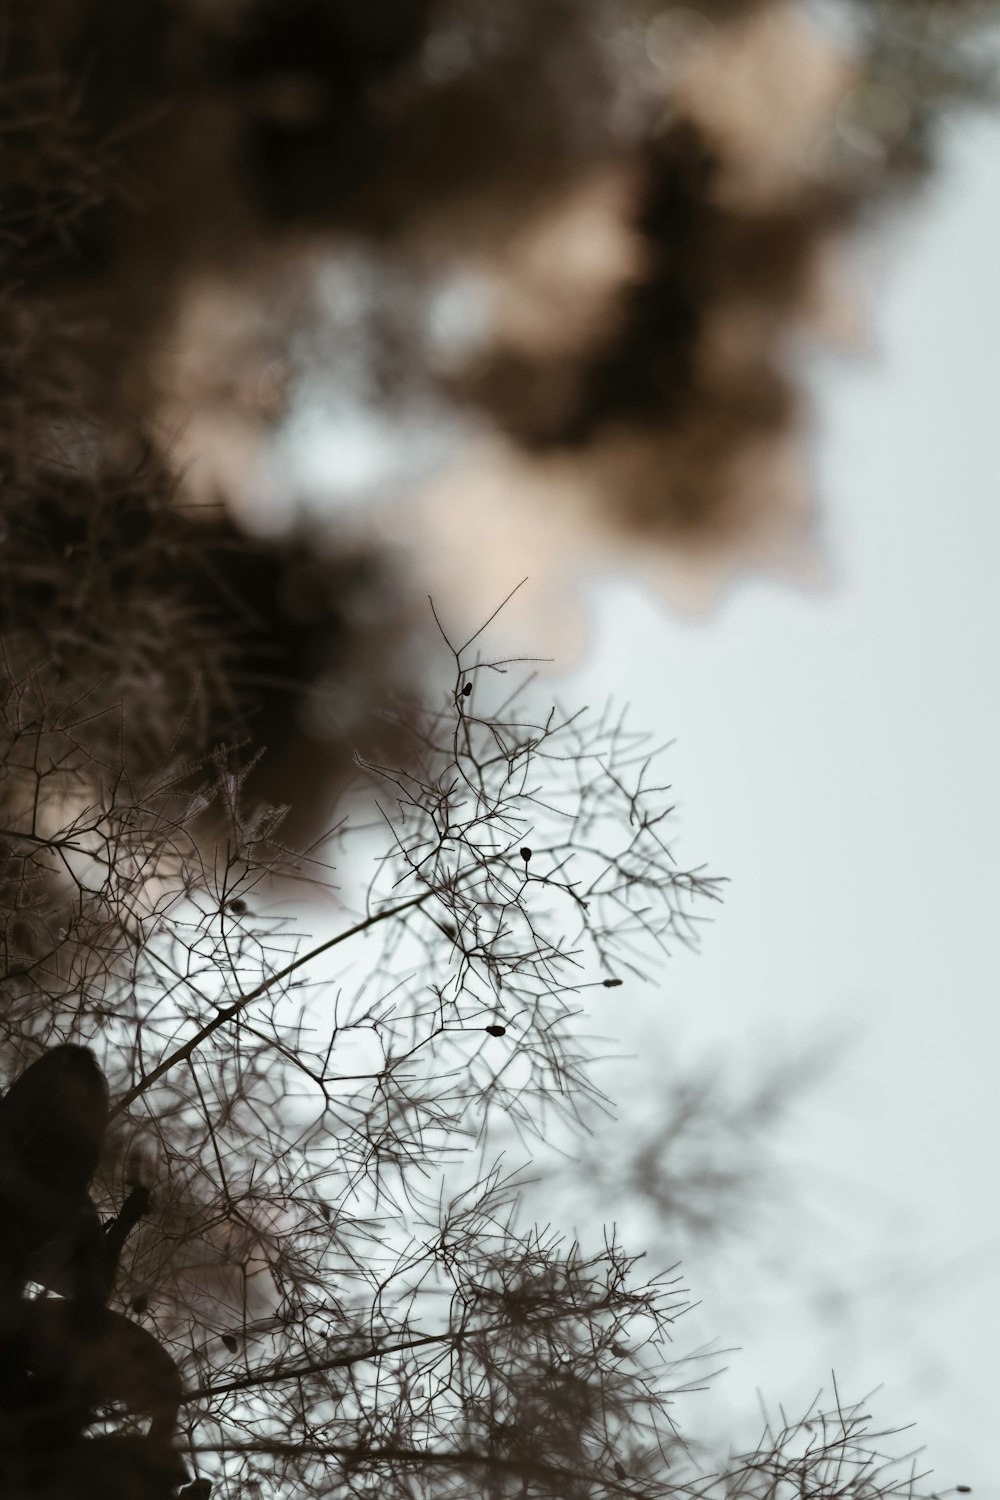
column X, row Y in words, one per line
column 688, row 314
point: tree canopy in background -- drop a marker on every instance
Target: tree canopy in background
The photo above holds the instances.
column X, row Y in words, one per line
column 596, row 225
column 234, row 233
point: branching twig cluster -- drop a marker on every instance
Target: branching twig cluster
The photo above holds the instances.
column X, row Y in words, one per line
column 337, row 1266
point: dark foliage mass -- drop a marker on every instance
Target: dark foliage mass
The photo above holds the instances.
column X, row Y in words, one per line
column 64, row 1358
column 52, row 1125
column 199, row 630
column 201, row 633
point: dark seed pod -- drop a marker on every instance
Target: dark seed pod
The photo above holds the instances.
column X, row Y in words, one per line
column 140, row 1302
column 231, row 1342
column 611, row 984
column 237, row 906
column 525, row 854
column 497, row 1030
column 620, row 1470
column 467, row 690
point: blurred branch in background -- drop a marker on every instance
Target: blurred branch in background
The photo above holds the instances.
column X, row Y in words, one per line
column 698, row 1167
column 698, row 1161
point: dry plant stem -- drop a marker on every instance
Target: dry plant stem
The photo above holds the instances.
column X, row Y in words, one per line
column 231, row 1011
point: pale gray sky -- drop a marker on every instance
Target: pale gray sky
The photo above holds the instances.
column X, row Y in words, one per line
column 838, row 757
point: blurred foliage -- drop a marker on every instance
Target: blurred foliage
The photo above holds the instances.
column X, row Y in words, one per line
column 185, row 135
column 215, row 211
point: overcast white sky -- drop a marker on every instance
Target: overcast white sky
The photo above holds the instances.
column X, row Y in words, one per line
column 838, row 757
